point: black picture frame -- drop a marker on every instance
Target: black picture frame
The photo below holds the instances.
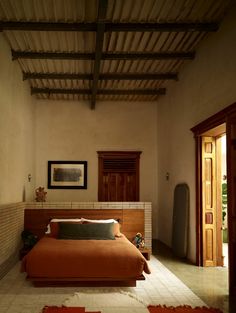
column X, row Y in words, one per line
column 67, row 174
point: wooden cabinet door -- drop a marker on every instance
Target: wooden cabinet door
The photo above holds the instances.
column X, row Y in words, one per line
column 118, row 176
column 119, row 187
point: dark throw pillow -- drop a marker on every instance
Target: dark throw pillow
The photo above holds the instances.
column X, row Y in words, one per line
column 99, row 231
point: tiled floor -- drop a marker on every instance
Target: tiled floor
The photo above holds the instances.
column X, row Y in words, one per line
column 210, row 284
column 189, row 285
column 161, row 287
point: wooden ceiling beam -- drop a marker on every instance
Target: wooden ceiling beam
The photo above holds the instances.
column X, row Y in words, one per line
column 108, row 27
column 47, row 26
column 109, row 76
column 52, row 55
column 104, row 56
column 148, row 55
column 160, row 91
column 138, row 76
column 60, row 76
column 161, row 27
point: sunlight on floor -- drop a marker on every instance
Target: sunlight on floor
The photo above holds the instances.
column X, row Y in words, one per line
column 225, row 254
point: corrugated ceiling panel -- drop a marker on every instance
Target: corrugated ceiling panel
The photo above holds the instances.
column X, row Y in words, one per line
column 49, row 10
column 118, row 11
column 131, row 84
column 56, row 66
column 51, row 41
column 64, row 84
column 168, row 11
column 140, row 66
column 150, row 42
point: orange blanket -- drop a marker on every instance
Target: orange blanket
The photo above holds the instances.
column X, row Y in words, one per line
column 54, row 258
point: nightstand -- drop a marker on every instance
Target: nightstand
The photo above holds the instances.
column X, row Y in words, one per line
column 145, row 252
column 23, row 251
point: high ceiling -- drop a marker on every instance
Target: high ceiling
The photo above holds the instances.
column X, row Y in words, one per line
column 106, row 49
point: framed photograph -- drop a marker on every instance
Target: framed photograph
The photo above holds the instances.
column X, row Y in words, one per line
column 67, row 174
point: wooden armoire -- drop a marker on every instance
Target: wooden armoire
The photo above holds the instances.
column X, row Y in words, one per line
column 118, row 175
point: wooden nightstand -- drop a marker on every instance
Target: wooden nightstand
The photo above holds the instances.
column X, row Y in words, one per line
column 145, row 252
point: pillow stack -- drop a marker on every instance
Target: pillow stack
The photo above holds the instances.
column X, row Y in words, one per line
column 84, row 229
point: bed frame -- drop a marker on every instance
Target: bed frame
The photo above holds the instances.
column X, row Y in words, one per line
column 131, row 220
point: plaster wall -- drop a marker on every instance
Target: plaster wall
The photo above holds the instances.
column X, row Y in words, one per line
column 16, row 131
column 206, row 86
column 68, row 130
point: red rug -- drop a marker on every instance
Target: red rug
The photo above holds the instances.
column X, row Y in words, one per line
column 151, row 308
column 181, row 309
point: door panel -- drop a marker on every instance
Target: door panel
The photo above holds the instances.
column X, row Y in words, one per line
column 209, row 201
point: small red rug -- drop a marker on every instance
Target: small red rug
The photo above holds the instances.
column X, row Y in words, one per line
column 181, row 309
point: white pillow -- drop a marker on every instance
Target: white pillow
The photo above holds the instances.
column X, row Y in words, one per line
column 111, row 220
column 48, row 231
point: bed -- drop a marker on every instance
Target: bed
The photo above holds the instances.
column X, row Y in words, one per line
column 70, row 255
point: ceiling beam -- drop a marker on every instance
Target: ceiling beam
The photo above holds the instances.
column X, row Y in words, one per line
column 138, row 76
column 154, row 92
column 109, row 76
column 102, row 12
column 148, row 55
column 161, row 27
column 60, row 76
column 104, row 56
column 60, row 91
column 52, row 55
column 108, row 27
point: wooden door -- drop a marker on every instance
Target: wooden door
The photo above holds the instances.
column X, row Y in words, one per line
column 231, row 188
column 209, row 201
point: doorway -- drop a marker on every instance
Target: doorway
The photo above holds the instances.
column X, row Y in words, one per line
column 206, row 208
column 214, row 198
column 224, row 201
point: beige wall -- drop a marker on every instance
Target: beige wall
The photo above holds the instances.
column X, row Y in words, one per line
column 16, row 131
column 67, row 130
column 206, row 86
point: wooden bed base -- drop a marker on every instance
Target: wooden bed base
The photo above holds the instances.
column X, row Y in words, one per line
column 85, row 282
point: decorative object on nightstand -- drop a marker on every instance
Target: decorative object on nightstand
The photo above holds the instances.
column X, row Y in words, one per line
column 40, row 194
column 138, row 241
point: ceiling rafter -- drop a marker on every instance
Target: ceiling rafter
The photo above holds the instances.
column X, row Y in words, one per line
column 160, row 91
column 109, row 27
column 104, row 56
column 108, row 76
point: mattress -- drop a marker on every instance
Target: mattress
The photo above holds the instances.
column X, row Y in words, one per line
column 62, row 258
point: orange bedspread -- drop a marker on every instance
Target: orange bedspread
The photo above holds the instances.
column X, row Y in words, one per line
column 58, row 258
